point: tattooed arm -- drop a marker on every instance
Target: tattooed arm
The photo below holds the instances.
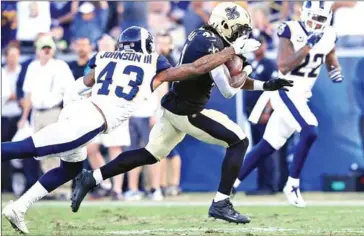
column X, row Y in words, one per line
column 199, row 67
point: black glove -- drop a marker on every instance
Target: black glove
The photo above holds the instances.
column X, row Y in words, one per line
column 277, row 84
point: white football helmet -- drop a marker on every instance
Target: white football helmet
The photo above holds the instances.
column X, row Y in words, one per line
column 316, row 15
column 231, row 21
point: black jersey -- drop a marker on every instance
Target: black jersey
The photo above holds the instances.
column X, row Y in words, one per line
column 190, row 96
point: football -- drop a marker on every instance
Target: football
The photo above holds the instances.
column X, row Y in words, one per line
column 235, row 65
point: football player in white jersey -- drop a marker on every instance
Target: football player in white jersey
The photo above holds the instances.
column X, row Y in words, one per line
column 120, row 81
column 303, row 48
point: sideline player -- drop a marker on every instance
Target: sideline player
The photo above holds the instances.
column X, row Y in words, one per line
column 304, row 46
column 121, row 81
column 183, row 112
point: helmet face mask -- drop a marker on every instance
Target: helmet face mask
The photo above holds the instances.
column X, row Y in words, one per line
column 316, row 15
column 231, row 21
column 240, row 31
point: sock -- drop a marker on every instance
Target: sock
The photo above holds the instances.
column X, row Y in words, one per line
column 18, row 150
column 36, row 192
column 261, row 150
column 231, row 165
column 127, row 161
column 293, row 182
column 237, row 183
column 308, row 136
column 60, row 175
column 220, row 196
column 98, row 176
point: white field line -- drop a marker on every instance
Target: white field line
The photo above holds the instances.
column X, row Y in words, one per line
column 190, row 203
column 190, row 231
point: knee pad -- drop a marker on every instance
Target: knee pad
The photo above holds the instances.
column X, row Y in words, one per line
column 72, row 168
column 309, row 133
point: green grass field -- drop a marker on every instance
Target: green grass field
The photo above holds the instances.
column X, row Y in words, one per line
column 326, row 214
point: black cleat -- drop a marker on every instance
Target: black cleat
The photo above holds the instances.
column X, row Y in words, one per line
column 224, row 210
column 84, row 182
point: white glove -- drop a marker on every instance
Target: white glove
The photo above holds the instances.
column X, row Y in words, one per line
column 242, row 45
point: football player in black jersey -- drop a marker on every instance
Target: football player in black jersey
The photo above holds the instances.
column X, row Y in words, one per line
column 183, row 112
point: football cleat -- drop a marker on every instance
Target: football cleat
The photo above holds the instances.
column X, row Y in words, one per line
column 16, row 218
column 293, row 196
column 224, row 210
column 84, row 182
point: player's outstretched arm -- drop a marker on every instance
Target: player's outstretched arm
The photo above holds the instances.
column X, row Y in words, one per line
column 333, row 67
column 199, row 67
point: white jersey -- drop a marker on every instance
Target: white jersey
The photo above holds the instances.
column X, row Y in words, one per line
column 305, row 75
column 123, row 81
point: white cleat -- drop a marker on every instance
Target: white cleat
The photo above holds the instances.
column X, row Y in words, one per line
column 293, row 195
column 15, row 217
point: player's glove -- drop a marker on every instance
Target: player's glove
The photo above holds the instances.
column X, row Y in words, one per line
column 242, row 45
column 277, row 84
column 313, row 39
column 336, row 76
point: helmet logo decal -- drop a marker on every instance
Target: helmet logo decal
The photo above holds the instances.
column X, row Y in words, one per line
column 322, row 4
column 232, row 13
column 308, row 4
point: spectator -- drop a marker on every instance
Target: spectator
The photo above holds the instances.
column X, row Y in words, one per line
column 261, row 22
column 158, row 16
column 106, row 43
column 62, row 14
column 196, row 15
column 90, row 21
column 33, row 18
column 165, row 46
column 169, row 186
column 264, row 70
column 83, row 50
column 11, row 111
column 133, row 13
column 8, row 22
column 45, row 82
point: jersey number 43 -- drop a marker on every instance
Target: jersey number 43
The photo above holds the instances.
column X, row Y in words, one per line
column 106, row 78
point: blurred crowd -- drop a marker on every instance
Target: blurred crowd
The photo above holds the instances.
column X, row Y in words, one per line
column 68, row 21
column 33, row 87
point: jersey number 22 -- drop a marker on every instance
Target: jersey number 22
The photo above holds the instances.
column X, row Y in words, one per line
column 106, row 75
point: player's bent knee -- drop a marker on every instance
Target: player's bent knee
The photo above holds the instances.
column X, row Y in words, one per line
column 309, row 133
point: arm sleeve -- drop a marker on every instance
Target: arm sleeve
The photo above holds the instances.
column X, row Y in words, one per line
column 284, row 31
column 220, row 77
column 162, row 64
column 92, row 62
